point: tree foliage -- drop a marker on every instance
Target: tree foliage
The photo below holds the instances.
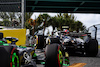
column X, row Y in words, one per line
column 60, row 20
column 57, row 21
column 9, row 16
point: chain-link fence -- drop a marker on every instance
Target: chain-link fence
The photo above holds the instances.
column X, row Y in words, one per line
column 10, row 5
column 10, row 13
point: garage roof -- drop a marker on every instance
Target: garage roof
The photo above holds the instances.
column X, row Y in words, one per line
column 64, row 6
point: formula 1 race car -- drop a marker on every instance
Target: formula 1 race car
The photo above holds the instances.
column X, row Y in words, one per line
column 12, row 55
column 54, row 52
column 80, row 42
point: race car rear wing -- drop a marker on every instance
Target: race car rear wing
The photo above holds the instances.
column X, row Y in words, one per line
column 73, row 34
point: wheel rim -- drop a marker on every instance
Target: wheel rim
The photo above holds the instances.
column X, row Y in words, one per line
column 15, row 60
column 60, row 58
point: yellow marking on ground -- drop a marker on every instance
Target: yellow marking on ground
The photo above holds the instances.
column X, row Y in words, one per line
column 77, row 65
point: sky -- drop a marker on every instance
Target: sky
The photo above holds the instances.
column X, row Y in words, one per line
column 87, row 19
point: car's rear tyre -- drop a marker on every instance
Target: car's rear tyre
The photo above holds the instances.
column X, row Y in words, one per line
column 41, row 40
column 91, row 48
column 14, row 57
column 9, row 57
column 54, row 57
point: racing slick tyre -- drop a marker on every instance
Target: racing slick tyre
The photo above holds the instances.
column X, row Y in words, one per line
column 54, row 57
column 9, row 57
column 14, row 57
column 91, row 48
column 40, row 42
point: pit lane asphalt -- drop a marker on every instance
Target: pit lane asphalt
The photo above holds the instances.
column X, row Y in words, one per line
column 90, row 61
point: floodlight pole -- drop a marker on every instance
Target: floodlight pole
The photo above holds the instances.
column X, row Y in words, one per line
column 23, row 13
